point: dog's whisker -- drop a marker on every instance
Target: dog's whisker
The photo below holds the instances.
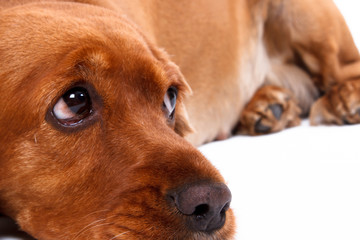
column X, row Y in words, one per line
column 105, row 210
column 86, row 227
column 85, row 230
column 92, row 213
column 176, row 232
column 90, row 226
column 119, row 235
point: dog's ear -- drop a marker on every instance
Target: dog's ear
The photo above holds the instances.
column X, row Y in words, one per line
column 182, row 125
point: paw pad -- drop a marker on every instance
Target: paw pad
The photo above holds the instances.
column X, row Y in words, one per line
column 277, row 110
column 260, row 128
column 270, row 110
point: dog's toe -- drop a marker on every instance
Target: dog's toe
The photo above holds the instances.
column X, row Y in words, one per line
column 261, row 128
column 341, row 105
column 270, row 110
column 277, row 110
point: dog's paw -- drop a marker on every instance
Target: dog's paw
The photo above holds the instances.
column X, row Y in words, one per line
column 340, row 105
column 271, row 109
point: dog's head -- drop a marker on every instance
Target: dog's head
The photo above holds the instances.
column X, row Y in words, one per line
column 90, row 137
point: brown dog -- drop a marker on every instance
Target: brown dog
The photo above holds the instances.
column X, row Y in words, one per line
column 91, row 145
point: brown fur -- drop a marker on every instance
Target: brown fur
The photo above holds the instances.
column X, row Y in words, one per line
column 109, row 177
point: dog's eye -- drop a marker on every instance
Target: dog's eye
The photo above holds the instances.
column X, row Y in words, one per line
column 170, row 102
column 73, row 106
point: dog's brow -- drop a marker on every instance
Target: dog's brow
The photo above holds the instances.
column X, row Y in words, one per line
column 91, row 63
column 99, row 59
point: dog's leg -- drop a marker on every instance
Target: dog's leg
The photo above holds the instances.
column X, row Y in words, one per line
column 319, row 35
column 333, row 61
column 340, row 105
column 321, row 44
column 270, row 110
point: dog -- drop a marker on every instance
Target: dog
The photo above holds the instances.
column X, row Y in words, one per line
column 103, row 103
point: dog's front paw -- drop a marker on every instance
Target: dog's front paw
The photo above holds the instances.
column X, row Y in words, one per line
column 271, row 109
column 341, row 105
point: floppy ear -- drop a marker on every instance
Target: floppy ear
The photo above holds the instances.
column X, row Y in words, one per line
column 182, row 124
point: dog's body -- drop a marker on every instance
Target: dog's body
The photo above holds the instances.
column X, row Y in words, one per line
column 229, row 50
column 114, row 167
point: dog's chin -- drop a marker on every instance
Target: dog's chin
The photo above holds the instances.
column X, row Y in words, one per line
column 167, row 226
column 127, row 227
column 184, row 235
column 191, row 236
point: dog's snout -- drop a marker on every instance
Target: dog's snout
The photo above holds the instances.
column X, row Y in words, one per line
column 204, row 205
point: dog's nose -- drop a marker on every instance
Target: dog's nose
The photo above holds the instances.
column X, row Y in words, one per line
column 204, row 205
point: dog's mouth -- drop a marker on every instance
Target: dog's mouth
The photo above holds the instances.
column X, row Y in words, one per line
column 196, row 212
column 120, row 233
column 112, row 228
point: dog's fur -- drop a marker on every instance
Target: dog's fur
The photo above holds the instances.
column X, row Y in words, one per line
column 254, row 66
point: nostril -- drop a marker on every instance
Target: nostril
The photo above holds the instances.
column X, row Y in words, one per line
column 201, row 210
column 224, row 209
column 204, row 205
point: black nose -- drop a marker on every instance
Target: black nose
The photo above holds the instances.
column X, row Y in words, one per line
column 204, row 205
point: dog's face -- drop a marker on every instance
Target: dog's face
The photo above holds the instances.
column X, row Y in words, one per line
column 91, row 125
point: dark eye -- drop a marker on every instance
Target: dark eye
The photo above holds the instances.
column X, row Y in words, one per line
column 73, row 106
column 170, row 102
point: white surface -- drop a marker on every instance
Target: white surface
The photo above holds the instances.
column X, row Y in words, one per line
column 302, row 183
